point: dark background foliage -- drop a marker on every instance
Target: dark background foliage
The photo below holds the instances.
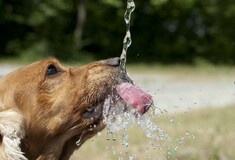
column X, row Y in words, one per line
column 163, row 31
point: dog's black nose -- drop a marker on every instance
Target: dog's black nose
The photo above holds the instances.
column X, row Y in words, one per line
column 115, row 62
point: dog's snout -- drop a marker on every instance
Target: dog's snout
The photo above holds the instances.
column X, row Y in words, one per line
column 115, row 62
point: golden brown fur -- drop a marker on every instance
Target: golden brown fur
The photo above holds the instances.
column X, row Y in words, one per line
column 42, row 115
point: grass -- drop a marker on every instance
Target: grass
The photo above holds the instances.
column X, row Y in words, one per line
column 206, row 134
column 214, row 132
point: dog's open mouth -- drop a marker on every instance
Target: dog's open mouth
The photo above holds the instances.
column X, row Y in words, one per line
column 134, row 97
column 123, row 98
column 126, row 98
column 127, row 94
column 127, row 103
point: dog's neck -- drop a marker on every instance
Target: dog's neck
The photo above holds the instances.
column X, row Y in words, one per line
column 44, row 149
column 49, row 148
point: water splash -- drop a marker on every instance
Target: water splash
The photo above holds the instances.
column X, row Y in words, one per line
column 119, row 117
column 151, row 130
column 127, row 39
column 116, row 112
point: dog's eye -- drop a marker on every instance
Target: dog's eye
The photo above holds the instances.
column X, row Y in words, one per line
column 51, row 70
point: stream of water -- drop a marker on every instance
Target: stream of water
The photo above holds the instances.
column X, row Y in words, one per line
column 116, row 117
column 119, row 118
column 127, row 39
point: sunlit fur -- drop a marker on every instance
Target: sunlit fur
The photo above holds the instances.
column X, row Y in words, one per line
column 41, row 116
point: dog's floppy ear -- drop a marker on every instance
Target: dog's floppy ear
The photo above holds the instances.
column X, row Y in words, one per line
column 11, row 133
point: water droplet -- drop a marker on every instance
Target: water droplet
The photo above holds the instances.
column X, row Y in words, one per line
column 99, row 133
column 125, row 143
column 187, row 133
column 78, row 143
column 176, row 148
column 180, row 140
column 133, row 157
column 172, row 120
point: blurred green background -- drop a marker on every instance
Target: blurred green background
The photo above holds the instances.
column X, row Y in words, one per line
column 163, row 31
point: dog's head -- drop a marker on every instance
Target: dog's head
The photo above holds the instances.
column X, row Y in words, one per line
column 59, row 105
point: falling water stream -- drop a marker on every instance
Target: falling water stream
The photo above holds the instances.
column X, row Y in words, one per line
column 118, row 119
column 127, row 39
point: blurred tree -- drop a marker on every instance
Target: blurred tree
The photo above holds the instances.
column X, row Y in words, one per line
column 81, row 18
column 163, row 31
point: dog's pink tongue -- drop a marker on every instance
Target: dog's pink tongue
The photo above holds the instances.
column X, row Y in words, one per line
column 134, row 97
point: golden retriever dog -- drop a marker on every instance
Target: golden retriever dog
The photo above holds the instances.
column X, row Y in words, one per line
column 45, row 108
